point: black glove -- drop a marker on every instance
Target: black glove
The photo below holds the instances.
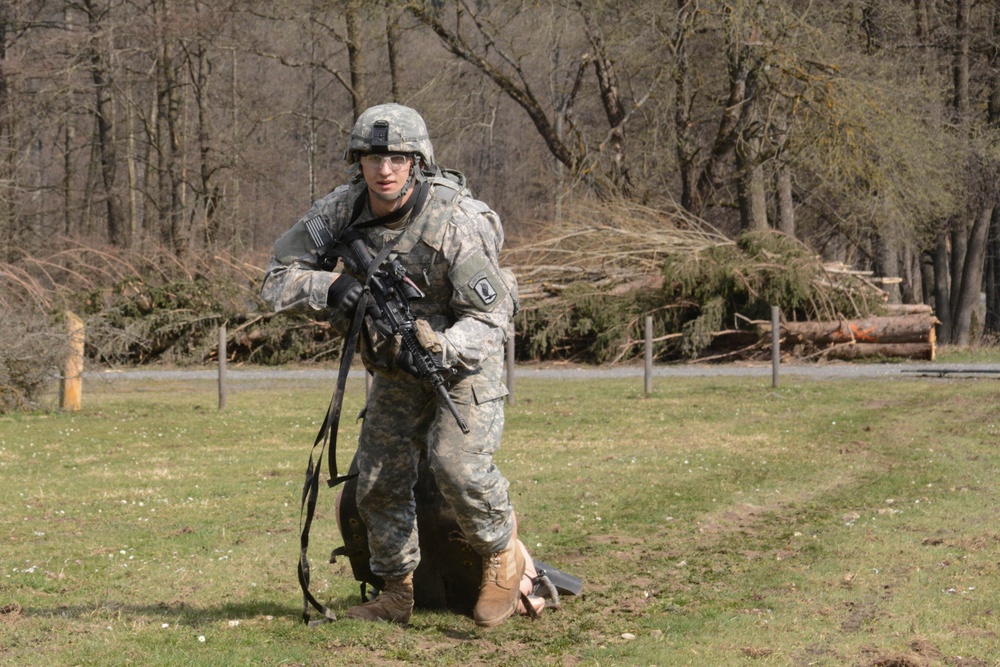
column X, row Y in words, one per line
column 405, row 361
column 343, row 295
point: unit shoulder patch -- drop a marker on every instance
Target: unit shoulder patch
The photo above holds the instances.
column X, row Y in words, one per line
column 480, row 283
column 483, row 288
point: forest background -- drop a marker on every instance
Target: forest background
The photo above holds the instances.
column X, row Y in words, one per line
column 691, row 159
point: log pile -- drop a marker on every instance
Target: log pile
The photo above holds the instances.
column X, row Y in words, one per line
column 910, row 335
column 907, row 331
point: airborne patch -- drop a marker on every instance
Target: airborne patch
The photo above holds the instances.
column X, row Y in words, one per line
column 483, row 288
column 479, row 283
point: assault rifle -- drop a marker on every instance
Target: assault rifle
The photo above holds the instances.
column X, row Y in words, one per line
column 392, row 290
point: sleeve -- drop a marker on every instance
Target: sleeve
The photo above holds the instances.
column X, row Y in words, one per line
column 481, row 298
column 297, row 286
column 294, row 280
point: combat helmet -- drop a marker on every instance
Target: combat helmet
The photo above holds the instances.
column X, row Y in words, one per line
column 389, row 128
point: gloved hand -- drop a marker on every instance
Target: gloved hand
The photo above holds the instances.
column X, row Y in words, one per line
column 344, row 294
column 428, row 340
column 404, row 361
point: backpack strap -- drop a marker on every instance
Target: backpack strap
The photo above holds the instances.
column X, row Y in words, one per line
column 328, row 436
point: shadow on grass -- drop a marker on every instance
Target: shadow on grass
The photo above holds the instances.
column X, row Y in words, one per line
column 179, row 612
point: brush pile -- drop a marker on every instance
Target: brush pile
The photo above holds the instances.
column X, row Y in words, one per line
column 145, row 307
column 587, row 287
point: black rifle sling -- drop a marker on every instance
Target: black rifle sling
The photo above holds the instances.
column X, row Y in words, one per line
column 310, row 492
column 328, row 431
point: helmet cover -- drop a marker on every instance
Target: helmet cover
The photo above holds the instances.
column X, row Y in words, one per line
column 389, row 128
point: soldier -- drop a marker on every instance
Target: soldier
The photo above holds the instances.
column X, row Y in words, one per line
column 449, row 244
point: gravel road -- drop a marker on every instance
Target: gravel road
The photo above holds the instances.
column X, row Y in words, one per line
column 826, row 371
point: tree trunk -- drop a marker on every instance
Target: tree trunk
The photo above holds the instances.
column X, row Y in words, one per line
column 872, row 25
column 355, row 57
column 68, row 139
column 992, row 281
column 923, row 29
column 972, row 279
column 687, row 146
column 742, row 65
column 886, row 258
column 960, row 66
column 942, row 287
column 8, row 168
column 170, row 114
column 392, row 45
column 750, row 189
column 911, row 290
column 849, row 352
column 993, row 108
column 134, row 226
column 614, row 110
column 514, row 87
column 104, row 112
column 785, row 204
column 926, row 267
column 992, row 268
column 959, row 244
column 209, row 194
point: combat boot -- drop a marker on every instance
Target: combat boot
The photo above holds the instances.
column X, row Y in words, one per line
column 393, row 604
column 499, row 592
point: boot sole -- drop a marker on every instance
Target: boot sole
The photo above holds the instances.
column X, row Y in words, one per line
column 493, row 622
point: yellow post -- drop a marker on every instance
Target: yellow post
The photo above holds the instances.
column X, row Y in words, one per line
column 71, row 386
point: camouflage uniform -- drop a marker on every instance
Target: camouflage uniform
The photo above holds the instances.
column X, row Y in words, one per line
column 450, row 249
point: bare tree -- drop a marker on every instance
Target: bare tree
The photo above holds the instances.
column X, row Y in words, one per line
column 473, row 37
column 104, row 115
column 392, row 40
column 355, row 56
column 8, row 219
column 992, row 268
column 969, row 234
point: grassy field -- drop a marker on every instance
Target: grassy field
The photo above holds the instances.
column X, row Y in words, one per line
column 716, row 522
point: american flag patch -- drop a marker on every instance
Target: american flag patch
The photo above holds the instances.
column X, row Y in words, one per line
column 318, row 231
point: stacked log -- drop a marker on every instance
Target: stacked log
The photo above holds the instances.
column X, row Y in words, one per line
column 909, row 336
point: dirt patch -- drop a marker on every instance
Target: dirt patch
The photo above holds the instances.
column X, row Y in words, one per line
column 746, row 518
column 926, row 649
column 10, row 612
column 959, row 661
column 860, row 614
column 908, row 660
column 739, row 519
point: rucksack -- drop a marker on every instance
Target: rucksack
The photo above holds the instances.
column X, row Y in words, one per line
column 450, row 571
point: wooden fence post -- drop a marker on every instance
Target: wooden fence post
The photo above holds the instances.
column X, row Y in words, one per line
column 71, row 383
column 775, row 344
column 223, row 388
column 510, row 367
column 648, row 357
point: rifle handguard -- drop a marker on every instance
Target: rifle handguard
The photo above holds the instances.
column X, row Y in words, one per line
column 428, row 367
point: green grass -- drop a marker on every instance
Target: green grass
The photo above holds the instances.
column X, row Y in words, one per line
column 983, row 353
column 716, row 522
